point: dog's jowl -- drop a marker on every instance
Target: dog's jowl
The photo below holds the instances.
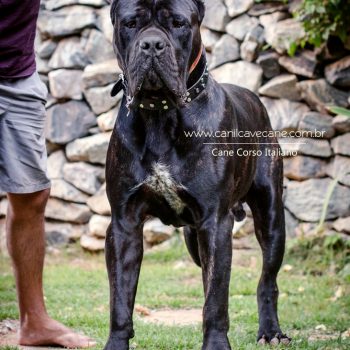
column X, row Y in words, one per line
column 158, row 166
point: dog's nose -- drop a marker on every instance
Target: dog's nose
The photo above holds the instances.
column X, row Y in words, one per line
column 152, row 44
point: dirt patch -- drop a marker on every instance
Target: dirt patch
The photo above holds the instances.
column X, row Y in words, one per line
column 9, row 336
column 180, row 317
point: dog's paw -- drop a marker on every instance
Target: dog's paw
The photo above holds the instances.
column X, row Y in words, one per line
column 273, row 339
column 216, row 343
column 117, row 344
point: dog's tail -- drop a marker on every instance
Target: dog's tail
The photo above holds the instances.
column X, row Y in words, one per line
column 192, row 244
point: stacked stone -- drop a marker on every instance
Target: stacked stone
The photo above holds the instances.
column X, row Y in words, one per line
column 247, row 45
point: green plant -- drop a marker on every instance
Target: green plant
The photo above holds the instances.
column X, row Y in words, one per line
column 327, row 200
column 323, row 18
column 339, row 110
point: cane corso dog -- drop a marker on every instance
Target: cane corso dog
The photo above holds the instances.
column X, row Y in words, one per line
column 156, row 169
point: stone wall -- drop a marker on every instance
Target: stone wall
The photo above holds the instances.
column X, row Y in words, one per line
column 246, row 45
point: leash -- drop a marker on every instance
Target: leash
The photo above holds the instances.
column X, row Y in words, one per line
column 165, row 104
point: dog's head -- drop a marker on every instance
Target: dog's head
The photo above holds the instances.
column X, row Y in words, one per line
column 156, row 42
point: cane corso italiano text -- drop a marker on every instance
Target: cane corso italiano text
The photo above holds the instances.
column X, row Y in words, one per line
column 157, row 166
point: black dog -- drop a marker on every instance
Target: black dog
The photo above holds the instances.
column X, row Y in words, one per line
column 154, row 170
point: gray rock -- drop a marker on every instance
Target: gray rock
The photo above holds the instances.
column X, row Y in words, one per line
column 68, row 121
column 225, row 50
column 63, row 211
column 252, row 42
column 98, row 225
column 249, row 50
column 57, row 4
column 67, row 21
column 55, row 163
column 282, row 86
column 84, row 176
column 106, row 121
column 98, row 48
column 240, row 26
column 66, row 84
column 46, row 49
column 105, row 23
column 338, row 73
column 101, row 74
column 291, row 223
column 284, row 114
column 209, row 38
column 245, row 74
column 98, row 203
column 306, row 146
column 280, row 35
column 91, row 149
column 318, row 94
column 221, row 18
column 155, row 232
column 66, row 232
column 268, row 61
column 304, row 64
column 69, row 54
column 342, row 225
column 341, row 124
column 92, row 244
column 42, row 66
column 302, row 168
column 63, row 190
column 305, row 199
column 341, row 144
column 339, row 168
column 271, row 18
column 264, row 8
column 237, row 7
column 313, row 121
column 100, row 100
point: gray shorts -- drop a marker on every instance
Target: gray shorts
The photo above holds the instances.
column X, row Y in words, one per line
column 23, row 154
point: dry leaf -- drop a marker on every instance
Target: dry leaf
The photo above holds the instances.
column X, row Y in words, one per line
column 142, row 310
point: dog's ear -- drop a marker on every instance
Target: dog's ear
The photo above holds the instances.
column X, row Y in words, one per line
column 113, row 9
column 201, row 9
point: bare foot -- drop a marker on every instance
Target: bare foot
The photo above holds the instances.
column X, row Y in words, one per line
column 53, row 333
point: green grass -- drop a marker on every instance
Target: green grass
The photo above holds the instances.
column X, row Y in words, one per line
column 76, row 292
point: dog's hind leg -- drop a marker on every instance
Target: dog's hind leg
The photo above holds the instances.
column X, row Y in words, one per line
column 215, row 250
column 124, row 251
column 191, row 239
column 265, row 201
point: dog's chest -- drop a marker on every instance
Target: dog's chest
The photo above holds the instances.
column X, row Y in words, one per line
column 162, row 183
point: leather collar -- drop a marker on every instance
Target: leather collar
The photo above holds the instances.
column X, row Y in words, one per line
column 154, row 104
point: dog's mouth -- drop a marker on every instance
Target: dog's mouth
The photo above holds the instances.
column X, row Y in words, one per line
column 155, row 77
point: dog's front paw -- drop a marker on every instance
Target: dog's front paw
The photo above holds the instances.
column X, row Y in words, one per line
column 273, row 338
column 117, row 344
column 216, row 342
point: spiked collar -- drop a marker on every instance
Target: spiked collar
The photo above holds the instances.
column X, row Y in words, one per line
column 154, row 104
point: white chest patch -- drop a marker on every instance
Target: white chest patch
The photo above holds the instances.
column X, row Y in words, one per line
column 161, row 182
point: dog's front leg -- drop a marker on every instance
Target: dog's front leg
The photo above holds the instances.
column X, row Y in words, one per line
column 215, row 249
column 124, row 251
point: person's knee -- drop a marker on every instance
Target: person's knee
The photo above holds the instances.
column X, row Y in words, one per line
column 24, row 206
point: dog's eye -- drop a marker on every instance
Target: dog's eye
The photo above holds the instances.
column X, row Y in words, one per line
column 130, row 24
column 178, row 24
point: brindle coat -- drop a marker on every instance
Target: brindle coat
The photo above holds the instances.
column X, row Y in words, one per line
column 154, row 170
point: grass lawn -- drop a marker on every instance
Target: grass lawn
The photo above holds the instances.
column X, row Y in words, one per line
column 76, row 293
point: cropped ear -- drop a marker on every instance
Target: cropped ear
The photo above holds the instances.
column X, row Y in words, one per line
column 113, row 9
column 201, row 9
